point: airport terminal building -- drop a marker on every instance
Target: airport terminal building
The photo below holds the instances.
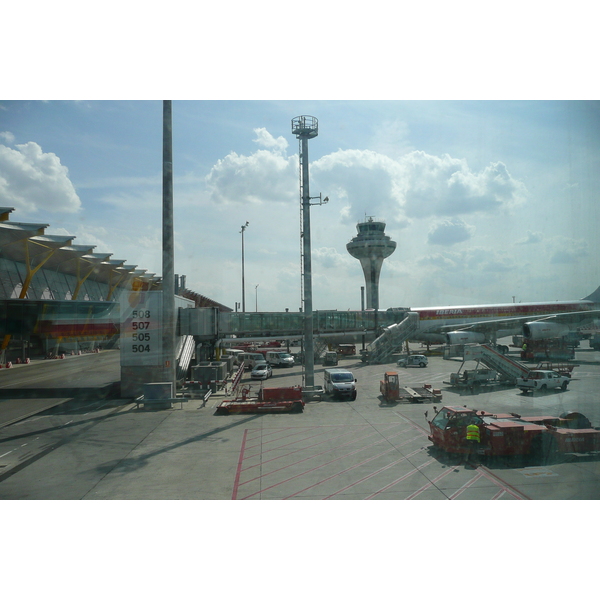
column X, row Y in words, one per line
column 58, row 296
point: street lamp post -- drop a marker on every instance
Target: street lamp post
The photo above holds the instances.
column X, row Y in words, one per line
column 256, row 294
column 243, row 276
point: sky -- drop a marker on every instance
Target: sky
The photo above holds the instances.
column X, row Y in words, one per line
column 481, row 156
column 488, row 201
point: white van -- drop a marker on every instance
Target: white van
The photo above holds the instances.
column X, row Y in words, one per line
column 340, row 383
column 250, row 359
column 280, row 359
column 235, row 353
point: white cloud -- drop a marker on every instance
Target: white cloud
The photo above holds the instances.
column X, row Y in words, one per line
column 416, row 185
column 446, row 186
column 456, row 277
column 7, row 136
column 566, row 251
column 31, row 180
column 532, row 237
column 330, row 258
column 261, row 177
column 264, row 138
column 366, row 181
column 449, row 232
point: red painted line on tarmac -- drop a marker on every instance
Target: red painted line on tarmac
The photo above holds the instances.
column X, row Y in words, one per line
column 364, row 462
column 239, row 467
column 309, row 470
column 429, row 484
column 466, row 486
column 262, row 440
column 415, row 425
column 393, row 464
column 312, row 446
column 509, row 489
column 296, row 441
column 314, row 456
column 387, row 487
column 299, row 430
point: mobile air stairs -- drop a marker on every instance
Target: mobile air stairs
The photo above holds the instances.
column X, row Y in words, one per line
column 508, row 368
column 381, row 349
column 186, row 347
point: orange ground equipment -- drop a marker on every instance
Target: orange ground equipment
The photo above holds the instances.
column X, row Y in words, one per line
column 541, row 438
column 265, row 400
column 390, row 386
column 392, row 392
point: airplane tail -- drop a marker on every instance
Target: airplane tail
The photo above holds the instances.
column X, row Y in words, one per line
column 594, row 296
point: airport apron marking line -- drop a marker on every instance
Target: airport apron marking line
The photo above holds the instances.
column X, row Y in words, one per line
column 312, row 446
column 308, row 470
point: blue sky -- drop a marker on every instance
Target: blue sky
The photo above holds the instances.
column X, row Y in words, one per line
column 486, row 199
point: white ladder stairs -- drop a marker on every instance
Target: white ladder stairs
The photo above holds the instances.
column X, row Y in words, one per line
column 385, row 345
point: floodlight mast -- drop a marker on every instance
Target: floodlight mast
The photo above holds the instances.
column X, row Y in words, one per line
column 306, row 128
column 168, row 260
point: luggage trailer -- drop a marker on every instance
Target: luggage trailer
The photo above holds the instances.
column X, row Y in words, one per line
column 249, row 399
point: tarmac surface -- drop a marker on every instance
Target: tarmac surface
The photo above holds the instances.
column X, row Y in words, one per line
column 97, row 446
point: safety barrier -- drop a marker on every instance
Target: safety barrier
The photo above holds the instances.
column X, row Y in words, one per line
column 237, row 378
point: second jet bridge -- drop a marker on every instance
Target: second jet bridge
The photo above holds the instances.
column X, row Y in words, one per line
column 210, row 324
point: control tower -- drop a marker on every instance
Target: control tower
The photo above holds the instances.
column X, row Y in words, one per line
column 371, row 246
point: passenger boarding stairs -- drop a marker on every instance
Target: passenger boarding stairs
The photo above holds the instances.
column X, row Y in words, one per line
column 320, row 346
column 381, row 349
column 186, row 347
column 506, row 366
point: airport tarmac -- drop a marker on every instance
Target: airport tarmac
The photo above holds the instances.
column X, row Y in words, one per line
column 108, row 449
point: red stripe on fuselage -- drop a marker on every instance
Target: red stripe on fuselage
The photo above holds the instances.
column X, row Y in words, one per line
column 500, row 311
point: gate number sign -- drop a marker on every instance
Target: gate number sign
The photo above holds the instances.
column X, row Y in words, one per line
column 141, row 329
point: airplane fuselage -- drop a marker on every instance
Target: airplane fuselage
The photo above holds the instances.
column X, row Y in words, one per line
column 434, row 318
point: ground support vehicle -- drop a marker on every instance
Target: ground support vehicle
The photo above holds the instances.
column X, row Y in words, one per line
column 346, row 349
column 562, row 368
column 279, row 358
column 264, row 400
column 475, row 378
column 340, row 383
column 541, row 438
column 330, row 358
column 539, row 380
column 413, row 360
column 553, row 349
column 392, row 392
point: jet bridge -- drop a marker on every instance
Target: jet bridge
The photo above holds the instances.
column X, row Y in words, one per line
column 210, row 324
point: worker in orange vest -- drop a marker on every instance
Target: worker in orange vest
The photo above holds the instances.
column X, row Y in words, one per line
column 473, row 441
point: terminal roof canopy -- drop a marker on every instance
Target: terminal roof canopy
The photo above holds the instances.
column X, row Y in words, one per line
column 27, row 243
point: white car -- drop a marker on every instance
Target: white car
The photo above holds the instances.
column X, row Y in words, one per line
column 261, row 370
column 414, row 360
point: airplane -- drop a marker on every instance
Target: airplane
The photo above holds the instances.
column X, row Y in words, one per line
column 488, row 322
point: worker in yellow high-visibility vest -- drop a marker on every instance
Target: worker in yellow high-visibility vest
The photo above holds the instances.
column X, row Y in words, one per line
column 473, row 441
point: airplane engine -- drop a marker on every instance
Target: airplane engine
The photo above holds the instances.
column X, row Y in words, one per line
column 431, row 338
column 542, row 330
column 464, row 337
